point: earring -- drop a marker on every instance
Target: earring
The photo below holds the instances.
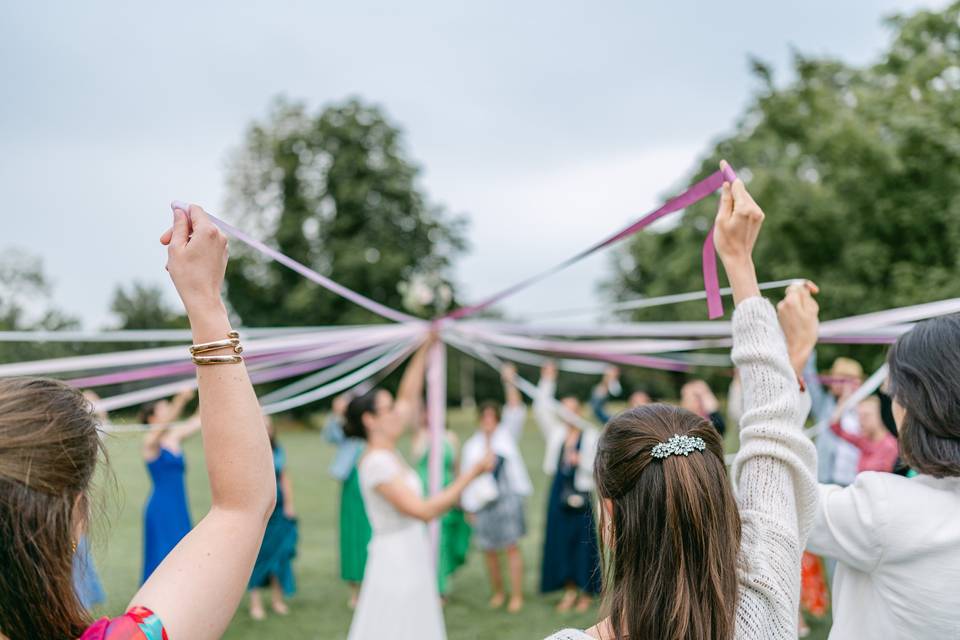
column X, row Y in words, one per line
column 73, row 546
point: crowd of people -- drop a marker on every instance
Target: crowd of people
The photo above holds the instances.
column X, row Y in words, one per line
column 641, row 511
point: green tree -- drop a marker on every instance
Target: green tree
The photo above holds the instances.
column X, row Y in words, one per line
column 25, row 305
column 858, row 171
column 143, row 306
column 336, row 191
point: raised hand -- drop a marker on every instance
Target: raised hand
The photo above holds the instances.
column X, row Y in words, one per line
column 196, row 258
column 549, row 371
column 799, row 318
column 735, row 233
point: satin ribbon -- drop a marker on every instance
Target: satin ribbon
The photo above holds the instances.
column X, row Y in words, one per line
column 694, row 194
column 308, row 273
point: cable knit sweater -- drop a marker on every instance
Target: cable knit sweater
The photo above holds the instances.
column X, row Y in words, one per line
column 774, row 477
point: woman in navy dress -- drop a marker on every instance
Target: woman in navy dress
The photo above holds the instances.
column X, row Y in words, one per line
column 274, row 566
column 571, row 556
column 166, row 517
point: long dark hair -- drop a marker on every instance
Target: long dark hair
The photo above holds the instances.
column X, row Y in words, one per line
column 925, row 380
column 671, row 545
column 366, row 403
column 49, row 448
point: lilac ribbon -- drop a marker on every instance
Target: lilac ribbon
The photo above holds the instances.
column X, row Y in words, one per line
column 694, row 194
column 308, row 273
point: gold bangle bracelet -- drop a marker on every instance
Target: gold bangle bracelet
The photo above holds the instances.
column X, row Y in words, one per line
column 205, row 360
column 218, row 344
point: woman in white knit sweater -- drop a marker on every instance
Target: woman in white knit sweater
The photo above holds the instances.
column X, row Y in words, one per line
column 691, row 556
column 897, row 539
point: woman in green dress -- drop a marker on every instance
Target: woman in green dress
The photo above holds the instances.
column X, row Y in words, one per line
column 454, row 530
column 354, row 526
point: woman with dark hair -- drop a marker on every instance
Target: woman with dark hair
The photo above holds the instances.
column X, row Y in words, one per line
column 166, row 515
column 399, row 598
column 49, row 447
column 689, row 556
column 274, row 566
column 897, row 539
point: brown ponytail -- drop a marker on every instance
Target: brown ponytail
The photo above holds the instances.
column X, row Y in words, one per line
column 49, row 447
column 674, row 535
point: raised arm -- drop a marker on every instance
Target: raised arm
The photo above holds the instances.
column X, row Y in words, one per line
column 410, row 391
column 543, row 403
column 858, row 441
column 511, row 394
column 197, row 588
column 514, row 411
column 187, row 429
column 333, row 427
column 774, row 471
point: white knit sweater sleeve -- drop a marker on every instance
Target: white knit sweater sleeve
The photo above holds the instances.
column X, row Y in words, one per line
column 774, row 476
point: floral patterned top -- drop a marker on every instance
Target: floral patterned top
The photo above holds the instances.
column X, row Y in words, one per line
column 139, row 623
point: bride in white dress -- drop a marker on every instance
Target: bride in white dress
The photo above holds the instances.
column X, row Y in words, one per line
column 399, row 598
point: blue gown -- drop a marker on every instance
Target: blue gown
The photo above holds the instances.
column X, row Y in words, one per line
column 570, row 551
column 166, row 517
column 279, row 546
column 86, row 582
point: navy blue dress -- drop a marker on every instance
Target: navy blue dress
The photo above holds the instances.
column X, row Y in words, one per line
column 570, row 551
column 166, row 518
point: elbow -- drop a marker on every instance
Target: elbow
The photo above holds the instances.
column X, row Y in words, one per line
column 265, row 501
column 267, row 504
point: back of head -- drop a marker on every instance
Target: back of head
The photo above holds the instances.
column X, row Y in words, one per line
column 49, row 447
column 366, row 403
column 925, row 380
column 675, row 528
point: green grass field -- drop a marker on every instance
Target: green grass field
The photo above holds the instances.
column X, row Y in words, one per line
column 319, row 609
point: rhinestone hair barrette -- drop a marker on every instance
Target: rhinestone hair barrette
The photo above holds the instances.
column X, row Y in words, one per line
column 678, row 445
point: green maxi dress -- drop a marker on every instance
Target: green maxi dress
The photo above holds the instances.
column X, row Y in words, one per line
column 355, row 530
column 454, row 529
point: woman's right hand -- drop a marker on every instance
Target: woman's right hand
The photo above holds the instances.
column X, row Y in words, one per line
column 735, row 232
column 196, row 258
column 485, row 465
column 799, row 318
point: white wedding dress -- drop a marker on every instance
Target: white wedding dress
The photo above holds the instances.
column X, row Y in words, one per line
column 399, row 598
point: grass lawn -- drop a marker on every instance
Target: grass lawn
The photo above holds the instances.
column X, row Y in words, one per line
column 319, row 610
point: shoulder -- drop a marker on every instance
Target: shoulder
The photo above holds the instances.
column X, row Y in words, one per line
column 379, row 466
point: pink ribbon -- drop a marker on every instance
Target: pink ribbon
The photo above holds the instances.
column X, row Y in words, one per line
column 694, row 194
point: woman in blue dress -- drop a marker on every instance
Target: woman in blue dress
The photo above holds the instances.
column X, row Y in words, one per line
column 274, row 566
column 166, row 517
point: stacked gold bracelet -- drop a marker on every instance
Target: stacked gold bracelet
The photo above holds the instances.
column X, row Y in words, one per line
column 232, row 340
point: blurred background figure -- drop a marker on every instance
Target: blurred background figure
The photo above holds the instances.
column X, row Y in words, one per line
column 571, row 559
column 86, row 580
column 166, row 517
column 878, row 447
column 496, row 500
column 274, row 566
column 354, row 527
column 454, row 529
column 837, row 459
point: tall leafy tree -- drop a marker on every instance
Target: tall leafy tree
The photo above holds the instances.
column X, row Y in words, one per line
column 858, row 171
column 337, row 191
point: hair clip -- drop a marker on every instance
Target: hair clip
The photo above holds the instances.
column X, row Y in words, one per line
column 678, row 445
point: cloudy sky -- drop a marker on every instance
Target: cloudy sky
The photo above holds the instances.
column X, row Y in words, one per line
column 548, row 123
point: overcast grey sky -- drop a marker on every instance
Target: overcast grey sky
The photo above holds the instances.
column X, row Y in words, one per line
column 548, row 123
